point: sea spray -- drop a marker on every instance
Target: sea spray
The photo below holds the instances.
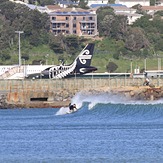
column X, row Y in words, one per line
column 62, row 111
column 94, row 98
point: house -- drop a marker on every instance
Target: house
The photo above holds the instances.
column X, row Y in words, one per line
column 20, row 1
column 131, row 14
column 130, row 3
column 32, row 7
column 53, row 8
column 74, row 21
column 66, row 3
column 35, row 7
column 152, row 9
column 90, row 2
column 104, row 5
column 120, row 9
column 131, row 17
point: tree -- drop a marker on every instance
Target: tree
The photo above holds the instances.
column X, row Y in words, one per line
column 83, row 4
column 111, row 67
column 34, row 38
column 45, row 2
column 71, row 44
column 106, row 25
column 4, row 55
column 104, row 14
column 119, row 27
column 143, row 22
column 135, row 39
column 56, row 43
column 6, row 33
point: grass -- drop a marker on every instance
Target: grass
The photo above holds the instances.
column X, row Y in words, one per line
column 102, row 56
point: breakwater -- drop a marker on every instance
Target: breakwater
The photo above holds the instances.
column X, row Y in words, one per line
column 56, row 93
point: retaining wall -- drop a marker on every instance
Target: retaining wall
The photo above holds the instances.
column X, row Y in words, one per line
column 59, row 92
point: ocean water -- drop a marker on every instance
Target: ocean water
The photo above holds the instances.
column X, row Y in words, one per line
column 106, row 129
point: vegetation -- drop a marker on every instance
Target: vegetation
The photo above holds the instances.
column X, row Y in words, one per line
column 121, row 43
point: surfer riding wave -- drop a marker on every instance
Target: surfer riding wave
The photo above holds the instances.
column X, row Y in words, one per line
column 72, row 107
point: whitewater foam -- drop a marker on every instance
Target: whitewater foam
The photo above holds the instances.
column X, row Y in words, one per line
column 103, row 98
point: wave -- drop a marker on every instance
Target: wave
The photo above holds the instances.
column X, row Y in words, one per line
column 109, row 100
column 106, row 98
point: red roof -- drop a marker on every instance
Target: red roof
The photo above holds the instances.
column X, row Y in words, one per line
column 152, row 7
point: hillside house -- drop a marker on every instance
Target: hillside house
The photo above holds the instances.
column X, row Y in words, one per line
column 119, row 9
column 20, row 1
column 53, row 8
column 74, row 21
column 66, row 3
column 90, row 2
column 152, row 9
column 130, row 3
column 131, row 14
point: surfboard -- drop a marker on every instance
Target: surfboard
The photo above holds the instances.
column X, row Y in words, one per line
column 70, row 112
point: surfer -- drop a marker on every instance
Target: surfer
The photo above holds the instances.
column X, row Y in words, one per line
column 72, row 107
column 146, row 82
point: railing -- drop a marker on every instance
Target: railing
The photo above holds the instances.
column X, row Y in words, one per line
column 12, row 71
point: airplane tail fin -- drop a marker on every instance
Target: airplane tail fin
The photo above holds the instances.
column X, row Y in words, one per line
column 85, row 56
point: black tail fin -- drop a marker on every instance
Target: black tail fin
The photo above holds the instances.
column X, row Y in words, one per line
column 85, row 56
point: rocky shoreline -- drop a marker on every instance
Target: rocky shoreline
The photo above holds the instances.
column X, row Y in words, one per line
column 61, row 99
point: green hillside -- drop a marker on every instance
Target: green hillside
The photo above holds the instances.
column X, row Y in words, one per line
column 100, row 59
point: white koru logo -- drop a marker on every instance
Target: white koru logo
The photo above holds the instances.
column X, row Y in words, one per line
column 84, row 55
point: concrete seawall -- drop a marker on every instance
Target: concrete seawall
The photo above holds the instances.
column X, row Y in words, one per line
column 57, row 93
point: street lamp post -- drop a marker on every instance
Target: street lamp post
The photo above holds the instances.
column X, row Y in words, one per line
column 19, row 32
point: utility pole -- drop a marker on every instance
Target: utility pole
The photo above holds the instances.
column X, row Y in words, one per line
column 19, row 32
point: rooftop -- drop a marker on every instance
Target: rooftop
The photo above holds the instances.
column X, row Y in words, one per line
column 103, row 5
column 70, row 13
column 152, row 7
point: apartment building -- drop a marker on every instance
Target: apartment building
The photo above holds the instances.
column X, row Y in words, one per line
column 74, row 21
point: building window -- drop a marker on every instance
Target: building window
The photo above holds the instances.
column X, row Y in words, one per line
column 53, row 25
column 67, row 25
column 67, row 18
column 58, row 25
column 90, row 18
column 74, row 25
column 74, row 31
column 75, row 18
column 83, row 18
column 53, row 18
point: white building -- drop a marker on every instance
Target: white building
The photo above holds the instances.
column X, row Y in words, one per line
column 130, row 3
column 131, row 14
column 131, row 18
column 20, row 1
column 152, row 9
column 90, row 2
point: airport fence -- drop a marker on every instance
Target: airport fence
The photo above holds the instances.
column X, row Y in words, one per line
column 71, row 84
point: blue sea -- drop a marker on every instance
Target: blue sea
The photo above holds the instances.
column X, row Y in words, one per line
column 106, row 129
